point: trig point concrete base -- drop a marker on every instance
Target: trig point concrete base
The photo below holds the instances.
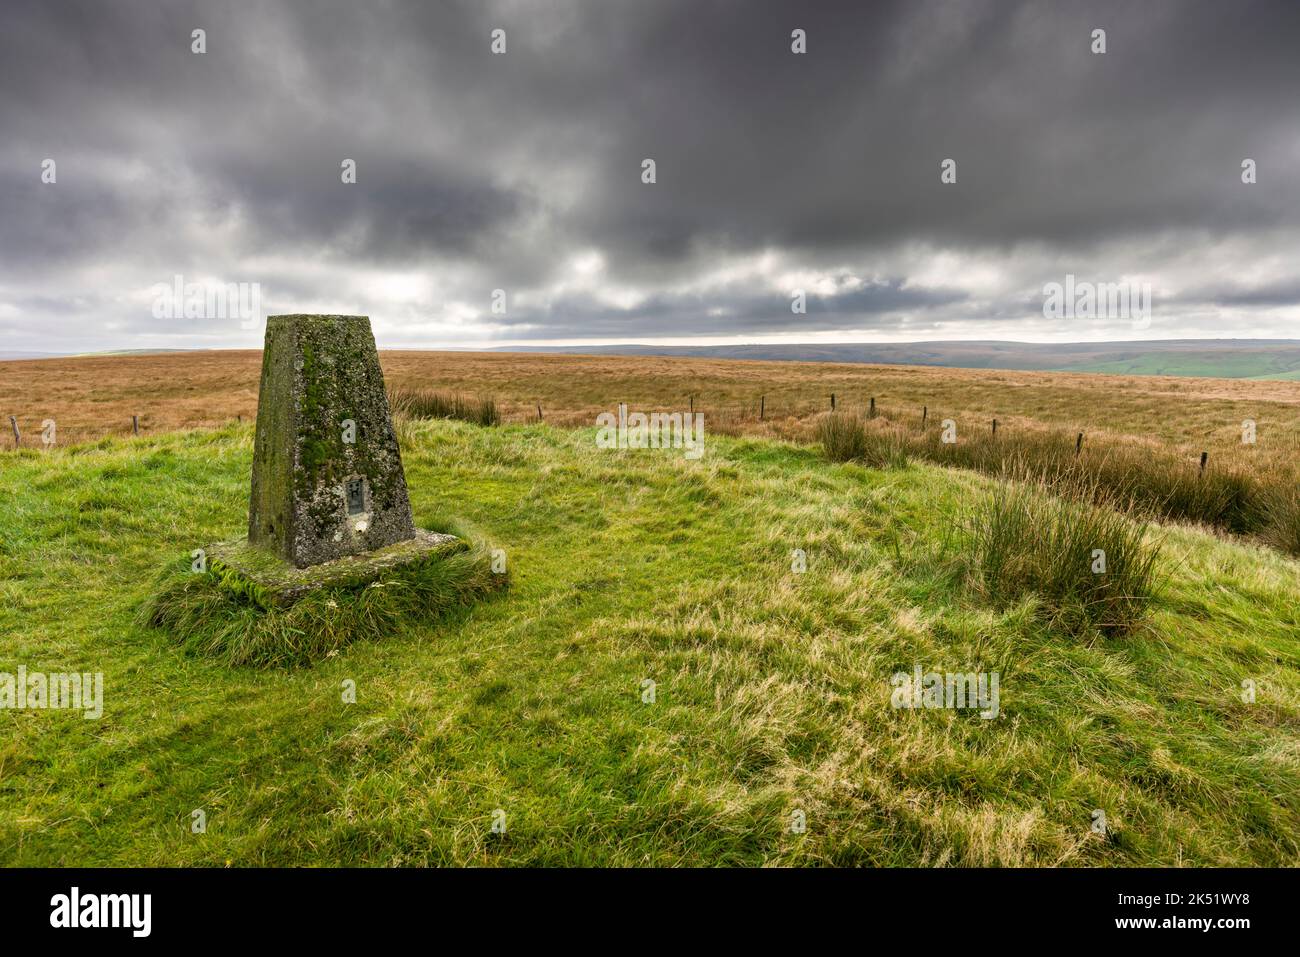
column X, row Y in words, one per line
column 277, row 583
column 327, row 474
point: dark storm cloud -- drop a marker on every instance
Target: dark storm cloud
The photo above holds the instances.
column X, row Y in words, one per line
column 843, row 146
column 727, row 309
column 478, row 172
column 1286, row 293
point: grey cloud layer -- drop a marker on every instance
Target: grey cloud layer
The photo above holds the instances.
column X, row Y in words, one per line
column 478, row 172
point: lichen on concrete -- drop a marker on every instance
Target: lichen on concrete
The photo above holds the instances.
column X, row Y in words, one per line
column 318, row 372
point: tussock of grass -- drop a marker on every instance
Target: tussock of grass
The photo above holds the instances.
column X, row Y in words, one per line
column 843, row 436
column 415, row 403
column 1090, row 564
column 1281, row 511
column 846, row 437
column 220, row 614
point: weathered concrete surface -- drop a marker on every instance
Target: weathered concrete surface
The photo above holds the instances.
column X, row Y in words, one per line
column 280, row 583
column 316, row 496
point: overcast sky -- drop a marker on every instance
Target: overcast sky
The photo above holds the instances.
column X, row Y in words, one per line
column 522, row 171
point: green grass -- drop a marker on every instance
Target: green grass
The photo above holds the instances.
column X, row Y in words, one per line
column 846, row 437
column 771, row 687
column 1281, row 510
column 223, row 614
column 1093, row 568
column 1212, row 363
column 1146, row 480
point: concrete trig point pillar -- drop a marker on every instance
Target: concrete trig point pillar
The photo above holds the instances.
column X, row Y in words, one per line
column 327, row 474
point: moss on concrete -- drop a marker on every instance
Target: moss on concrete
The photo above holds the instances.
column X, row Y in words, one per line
column 270, row 581
column 250, row 608
column 317, row 373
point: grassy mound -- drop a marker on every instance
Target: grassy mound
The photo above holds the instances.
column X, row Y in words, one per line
column 224, row 615
column 771, row 684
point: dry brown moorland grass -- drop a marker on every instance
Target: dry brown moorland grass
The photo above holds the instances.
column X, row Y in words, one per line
column 93, row 396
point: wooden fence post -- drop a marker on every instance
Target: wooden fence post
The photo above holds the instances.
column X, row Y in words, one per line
column 925, row 412
column 17, row 435
column 995, row 426
column 872, row 413
column 135, row 425
column 1204, row 456
column 762, row 406
column 1078, row 444
column 539, row 412
column 832, row 401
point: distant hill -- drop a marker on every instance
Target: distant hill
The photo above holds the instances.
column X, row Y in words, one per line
column 15, row 354
column 1204, row 358
column 23, row 354
column 1219, row 358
